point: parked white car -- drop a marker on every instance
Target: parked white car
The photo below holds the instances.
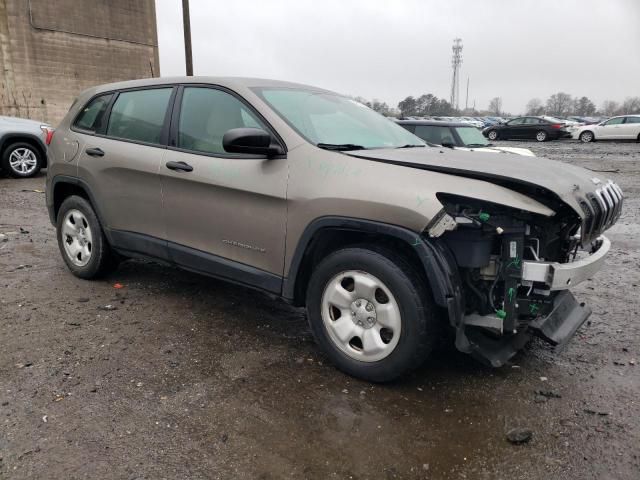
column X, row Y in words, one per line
column 624, row 127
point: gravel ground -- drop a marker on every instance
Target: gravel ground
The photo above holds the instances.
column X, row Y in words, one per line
column 192, row 378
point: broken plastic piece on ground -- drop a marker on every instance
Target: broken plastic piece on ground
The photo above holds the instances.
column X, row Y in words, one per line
column 118, row 285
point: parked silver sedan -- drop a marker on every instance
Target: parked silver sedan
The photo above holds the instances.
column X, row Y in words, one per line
column 23, row 150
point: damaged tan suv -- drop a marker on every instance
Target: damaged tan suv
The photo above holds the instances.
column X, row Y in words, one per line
column 312, row 196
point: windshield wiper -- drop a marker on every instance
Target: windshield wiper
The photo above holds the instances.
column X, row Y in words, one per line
column 340, row 147
column 410, row 145
column 476, row 145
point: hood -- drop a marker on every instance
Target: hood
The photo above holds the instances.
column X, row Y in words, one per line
column 542, row 179
column 21, row 121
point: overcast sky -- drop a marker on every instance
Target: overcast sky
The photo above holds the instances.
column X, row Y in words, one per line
column 390, row 49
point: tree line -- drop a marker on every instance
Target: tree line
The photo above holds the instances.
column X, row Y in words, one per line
column 559, row 104
column 562, row 104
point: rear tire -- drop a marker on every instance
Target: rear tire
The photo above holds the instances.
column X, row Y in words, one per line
column 81, row 240
column 541, row 136
column 587, row 136
column 371, row 312
column 492, row 135
column 21, row 160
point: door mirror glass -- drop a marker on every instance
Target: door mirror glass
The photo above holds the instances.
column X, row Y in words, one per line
column 250, row 140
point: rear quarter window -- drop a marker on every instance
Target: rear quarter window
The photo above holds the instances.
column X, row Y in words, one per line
column 90, row 118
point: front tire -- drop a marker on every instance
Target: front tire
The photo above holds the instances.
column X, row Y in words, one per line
column 586, row 137
column 492, row 135
column 541, row 136
column 81, row 240
column 22, row 160
column 371, row 312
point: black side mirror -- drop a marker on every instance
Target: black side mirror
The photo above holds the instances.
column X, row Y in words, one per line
column 448, row 144
column 250, row 140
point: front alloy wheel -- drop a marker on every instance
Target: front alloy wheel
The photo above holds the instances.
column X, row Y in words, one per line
column 493, row 135
column 586, row 137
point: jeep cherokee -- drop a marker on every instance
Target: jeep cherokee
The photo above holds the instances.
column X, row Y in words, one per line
column 311, row 196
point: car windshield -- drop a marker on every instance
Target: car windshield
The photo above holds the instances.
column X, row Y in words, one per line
column 471, row 137
column 335, row 122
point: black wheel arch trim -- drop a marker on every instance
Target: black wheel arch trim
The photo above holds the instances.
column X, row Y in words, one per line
column 30, row 136
column 436, row 262
column 84, row 186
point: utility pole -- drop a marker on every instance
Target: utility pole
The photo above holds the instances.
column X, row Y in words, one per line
column 456, row 61
column 466, row 101
column 186, row 22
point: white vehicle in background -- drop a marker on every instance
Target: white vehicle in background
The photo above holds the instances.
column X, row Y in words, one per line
column 472, row 121
column 624, row 127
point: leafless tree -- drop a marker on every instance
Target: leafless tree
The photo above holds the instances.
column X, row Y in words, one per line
column 559, row 104
column 609, row 107
column 535, row 107
column 495, row 106
column 630, row 105
column 583, row 107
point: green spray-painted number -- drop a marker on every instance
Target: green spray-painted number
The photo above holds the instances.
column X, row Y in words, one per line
column 534, row 308
column 511, row 292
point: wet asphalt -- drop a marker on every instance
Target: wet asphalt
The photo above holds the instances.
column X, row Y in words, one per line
column 186, row 377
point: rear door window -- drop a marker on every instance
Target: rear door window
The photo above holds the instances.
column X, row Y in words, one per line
column 434, row 134
column 632, row 120
column 139, row 115
column 91, row 116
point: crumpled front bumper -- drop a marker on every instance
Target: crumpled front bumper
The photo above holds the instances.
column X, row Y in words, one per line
column 556, row 328
column 561, row 276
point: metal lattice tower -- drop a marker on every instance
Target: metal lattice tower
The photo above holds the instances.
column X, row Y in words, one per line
column 456, row 61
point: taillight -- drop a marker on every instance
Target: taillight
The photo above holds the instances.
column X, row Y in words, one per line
column 48, row 134
column 559, row 125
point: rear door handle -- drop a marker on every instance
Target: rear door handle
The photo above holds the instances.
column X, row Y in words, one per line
column 179, row 166
column 95, row 152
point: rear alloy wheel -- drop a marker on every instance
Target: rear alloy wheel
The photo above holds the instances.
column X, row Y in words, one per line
column 586, row 137
column 371, row 313
column 21, row 160
column 541, row 136
column 493, row 135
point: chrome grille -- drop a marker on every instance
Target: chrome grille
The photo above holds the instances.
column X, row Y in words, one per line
column 602, row 210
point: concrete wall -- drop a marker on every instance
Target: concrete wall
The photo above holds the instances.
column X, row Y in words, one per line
column 50, row 50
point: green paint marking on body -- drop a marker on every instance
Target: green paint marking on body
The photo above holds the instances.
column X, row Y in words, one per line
column 511, row 292
column 501, row 314
column 514, row 263
column 534, row 308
